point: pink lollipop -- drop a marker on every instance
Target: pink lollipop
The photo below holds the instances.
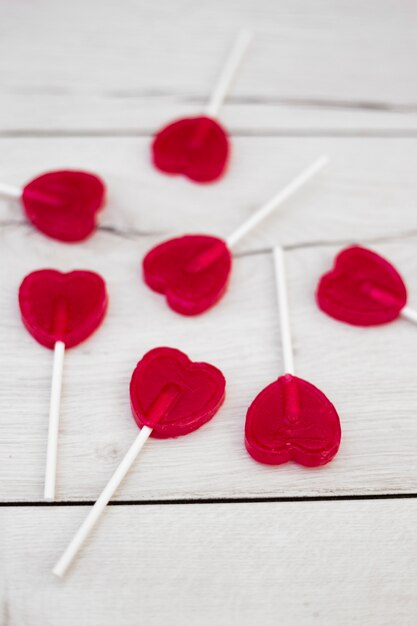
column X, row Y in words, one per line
column 363, row 289
column 193, row 271
column 61, row 204
column 198, row 147
column 60, row 311
column 170, row 396
column 291, row 419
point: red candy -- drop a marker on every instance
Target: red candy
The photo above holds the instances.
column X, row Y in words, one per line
column 173, row 395
column 64, row 204
column 363, row 289
column 62, row 307
column 192, row 271
column 196, row 147
column 291, row 420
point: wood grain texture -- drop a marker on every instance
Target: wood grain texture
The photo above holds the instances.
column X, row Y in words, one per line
column 325, row 62
column 368, row 374
column 367, row 191
column 298, row 564
column 85, row 84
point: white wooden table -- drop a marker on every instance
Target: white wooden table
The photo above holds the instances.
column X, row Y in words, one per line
column 200, row 534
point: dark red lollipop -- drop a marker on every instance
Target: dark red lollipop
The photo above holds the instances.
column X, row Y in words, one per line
column 62, row 307
column 170, row 396
column 190, row 393
column 198, row 147
column 61, row 204
column 363, row 289
column 60, row 311
column 291, row 419
column 192, row 271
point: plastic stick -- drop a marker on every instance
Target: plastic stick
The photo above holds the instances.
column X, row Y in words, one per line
column 409, row 314
column 54, row 410
column 10, row 191
column 276, row 200
column 229, row 70
column 281, row 287
column 98, row 508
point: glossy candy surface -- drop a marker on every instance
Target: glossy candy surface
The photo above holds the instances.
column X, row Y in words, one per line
column 62, row 307
column 196, row 147
column 173, row 395
column 64, row 204
column 291, row 420
column 363, row 289
column 192, row 271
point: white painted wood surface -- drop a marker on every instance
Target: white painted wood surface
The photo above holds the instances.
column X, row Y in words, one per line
column 314, row 563
column 324, row 64
column 85, row 84
column 368, row 374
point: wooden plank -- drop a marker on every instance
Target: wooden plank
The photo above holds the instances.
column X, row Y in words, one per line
column 368, row 373
column 366, row 192
column 298, row 564
column 331, row 62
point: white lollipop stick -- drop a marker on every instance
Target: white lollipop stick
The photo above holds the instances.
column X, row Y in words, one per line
column 229, row 70
column 10, row 191
column 409, row 314
column 281, row 287
column 98, row 508
column 54, row 409
column 276, row 201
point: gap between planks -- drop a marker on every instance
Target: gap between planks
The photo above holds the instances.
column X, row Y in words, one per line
column 334, row 133
column 248, row 500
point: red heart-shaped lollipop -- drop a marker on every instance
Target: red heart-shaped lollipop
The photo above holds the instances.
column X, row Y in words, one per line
column 196, row 147
column 173, row 395
column 192, row 271
column 363, row 289
column 292, row 420
column 62, row 307
column 64, row 204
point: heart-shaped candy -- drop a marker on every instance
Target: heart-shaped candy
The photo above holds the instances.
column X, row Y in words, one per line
column 64, row 204
column 196, row 147
column 62, row 307
column 363, row 289
column 192, row 271
column 292, row 420
column 173, row 395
